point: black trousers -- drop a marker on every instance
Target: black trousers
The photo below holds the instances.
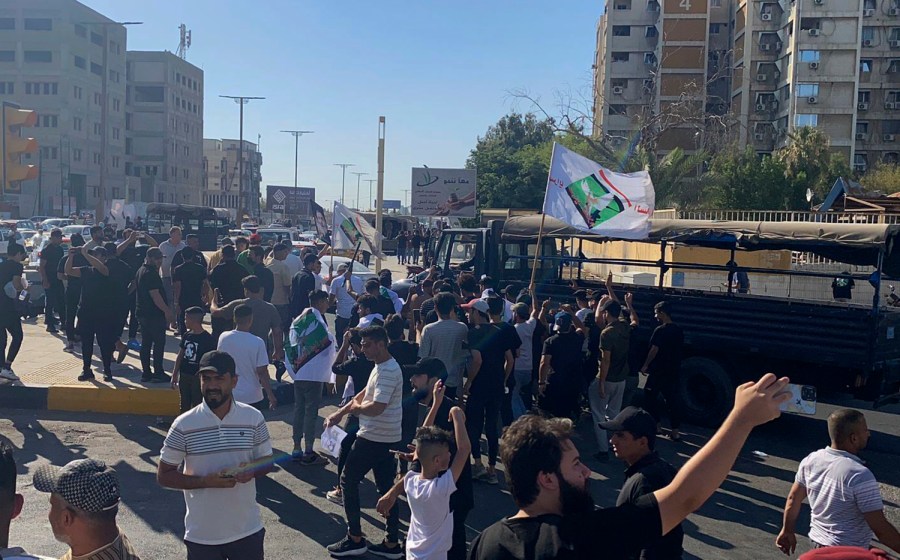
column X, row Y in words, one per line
column 458, row 548
column 132, row 316
column 189, row 390
column 153, row 339
column 55, row 302
column 368, row 456
column 219, row 326
column 73, row 297
column 659, row 396
column 248, row 548
column 107, row 331
column 483, row 415
column 340, row 327
column 14, row 327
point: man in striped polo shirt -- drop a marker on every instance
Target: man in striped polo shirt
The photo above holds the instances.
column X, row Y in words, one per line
column 844, row 496
column 224, row 446
column 379, row 408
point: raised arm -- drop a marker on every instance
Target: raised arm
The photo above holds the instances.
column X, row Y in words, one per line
column 755, row 404
column 463, row 445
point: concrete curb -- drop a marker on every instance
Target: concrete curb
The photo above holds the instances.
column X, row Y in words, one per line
column 84, row 398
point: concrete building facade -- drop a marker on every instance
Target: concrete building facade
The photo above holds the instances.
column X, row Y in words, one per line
column 767, row 67
column 221, row 171
column 55, row 56
column 164, row 129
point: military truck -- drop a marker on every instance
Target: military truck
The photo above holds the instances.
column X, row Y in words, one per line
column 729, row 337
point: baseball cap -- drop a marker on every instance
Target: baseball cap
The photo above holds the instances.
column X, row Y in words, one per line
column 478, row 305
column 562, row 321
column 86, row 484
column 342, row 267
column 217, row 361
column 637, row 421
column 432, row 367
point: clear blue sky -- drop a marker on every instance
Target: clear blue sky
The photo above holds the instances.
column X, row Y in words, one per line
column 440, row 72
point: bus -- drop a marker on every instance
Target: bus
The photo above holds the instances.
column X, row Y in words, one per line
column 207, row 222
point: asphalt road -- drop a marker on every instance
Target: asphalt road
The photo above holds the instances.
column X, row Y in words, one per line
column 739, row 522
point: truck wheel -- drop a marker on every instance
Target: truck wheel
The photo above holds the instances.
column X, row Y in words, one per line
column 704, row 392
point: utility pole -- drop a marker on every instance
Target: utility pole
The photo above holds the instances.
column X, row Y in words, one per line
column 358, row 177
column 242, row 203
column 344, row 167
column 371, row 202
column 379, row 203
column 297, row 134
column 406, row 197
column 100, row 209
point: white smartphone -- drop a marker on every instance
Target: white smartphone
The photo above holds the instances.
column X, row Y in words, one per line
column 802, row 401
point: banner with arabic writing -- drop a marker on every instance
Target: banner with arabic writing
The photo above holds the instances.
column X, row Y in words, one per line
column 443, row 192
column 591, row 198
column 349, row 229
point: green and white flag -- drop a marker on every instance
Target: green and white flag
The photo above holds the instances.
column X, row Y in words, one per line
column 349, row 229
column 589, row 197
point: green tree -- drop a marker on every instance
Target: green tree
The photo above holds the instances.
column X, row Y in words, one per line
column 809, row 163
column 742, row 180
column 512, row 160
column 883, row 177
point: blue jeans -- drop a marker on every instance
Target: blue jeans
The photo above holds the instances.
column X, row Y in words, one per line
column 523, row 379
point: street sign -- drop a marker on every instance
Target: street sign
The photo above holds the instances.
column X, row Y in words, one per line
column 292, row 201
column 390, row 205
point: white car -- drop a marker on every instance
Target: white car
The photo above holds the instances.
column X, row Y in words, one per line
column 52, row 223
column 359, row 270
column 271, row 235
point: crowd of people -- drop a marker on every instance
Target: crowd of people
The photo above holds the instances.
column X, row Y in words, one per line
column 460, row 360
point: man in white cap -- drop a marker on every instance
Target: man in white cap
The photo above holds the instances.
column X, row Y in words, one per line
column 84, row 501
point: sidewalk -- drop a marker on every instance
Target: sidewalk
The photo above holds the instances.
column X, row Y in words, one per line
column 48, row 379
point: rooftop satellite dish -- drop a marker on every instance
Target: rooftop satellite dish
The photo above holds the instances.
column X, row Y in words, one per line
column 809, row 195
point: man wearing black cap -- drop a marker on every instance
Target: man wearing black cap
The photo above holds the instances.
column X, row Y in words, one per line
column 427, row 378
column 84, row 501
column 633, row 438
column 219, row 474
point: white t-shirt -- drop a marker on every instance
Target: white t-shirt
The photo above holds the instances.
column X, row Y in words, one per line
column 366, row 321
column 318, row 280
column 385, row 386
column 526, row 335
column 840, row 490
column 168, row 251
column 582, row 314
column 430, row 534
column 294, row 263
column 249, row 353
column 206, row 445
column 343, row 300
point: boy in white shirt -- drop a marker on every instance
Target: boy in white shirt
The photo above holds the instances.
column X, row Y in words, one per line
column 428, row 492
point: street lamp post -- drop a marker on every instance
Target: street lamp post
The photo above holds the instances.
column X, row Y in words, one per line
column 297, row 134
column 100, row 209
column 358, row 177
column 344, row 167
column 370, row 181
column 241, row 100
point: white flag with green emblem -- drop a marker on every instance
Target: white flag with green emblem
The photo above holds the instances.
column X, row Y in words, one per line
column 594, row 199
column 349, row 229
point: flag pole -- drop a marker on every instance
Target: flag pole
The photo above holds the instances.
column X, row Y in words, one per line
column 333, row 233
column 537, row 250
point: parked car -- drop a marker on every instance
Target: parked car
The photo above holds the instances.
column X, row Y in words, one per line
column 271, row 235
column 70, row 230
column 359, row 270
column 38, row 219
column 52, row 223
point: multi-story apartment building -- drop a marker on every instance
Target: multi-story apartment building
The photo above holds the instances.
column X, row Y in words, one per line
column 771, row 66
column 221, row 172
column 164, row 129
column 59, row 57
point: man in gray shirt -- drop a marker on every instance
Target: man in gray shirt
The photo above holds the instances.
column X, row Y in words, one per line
column 266, row 319
column 446, row 340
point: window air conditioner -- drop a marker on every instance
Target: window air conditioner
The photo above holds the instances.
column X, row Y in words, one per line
column 813, row 32
column 766, row 16
column 812, row 99
column 617, row 90
column 813, row 65
column 862, row 106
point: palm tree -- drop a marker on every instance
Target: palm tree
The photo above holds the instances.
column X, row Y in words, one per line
column 673, row 173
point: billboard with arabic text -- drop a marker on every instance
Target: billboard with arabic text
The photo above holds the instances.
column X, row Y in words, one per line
column 443, row 192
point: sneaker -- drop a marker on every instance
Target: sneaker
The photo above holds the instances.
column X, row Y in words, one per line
column 145, row 378
column 478, row 471
column 52, row 329
column 490, row 477
column 70, row 346
column 385, row 551
column 335, row 496
column 347, row 547
column 86, row 376
column 297, row 454
column 161, row 378
column 133, row 344
column 107, row 376
column 309, row 459
column 7, row 373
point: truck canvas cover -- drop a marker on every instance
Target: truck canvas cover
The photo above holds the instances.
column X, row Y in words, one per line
column 858, row 244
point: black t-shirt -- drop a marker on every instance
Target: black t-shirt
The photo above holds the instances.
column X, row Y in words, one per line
column 668, row 339
column 608, row 533
column 301, row 284
column 842, row 287
column 194, row 346
column 8, row 270
column 191, row 275
column 227, row 276
column 358, row 368
column 95, row 294
column 464, row 496
column 644, row 477
column 178, row 260
column 401, row 242
column 565, row 354
column 406, row 353
column 74, row 282
column 121, row 276
column 491, row 342
column 134, row 256
column 51, row 254
column 266, row 278
column 148, row 279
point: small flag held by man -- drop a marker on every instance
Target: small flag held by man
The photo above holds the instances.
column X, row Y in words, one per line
column 589, row 197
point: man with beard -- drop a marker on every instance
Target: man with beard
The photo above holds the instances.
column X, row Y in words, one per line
column 426, row 377
column 633, row 438
column 549, row 483
column 219, row 474
column 84, row 502
column 225, row 280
